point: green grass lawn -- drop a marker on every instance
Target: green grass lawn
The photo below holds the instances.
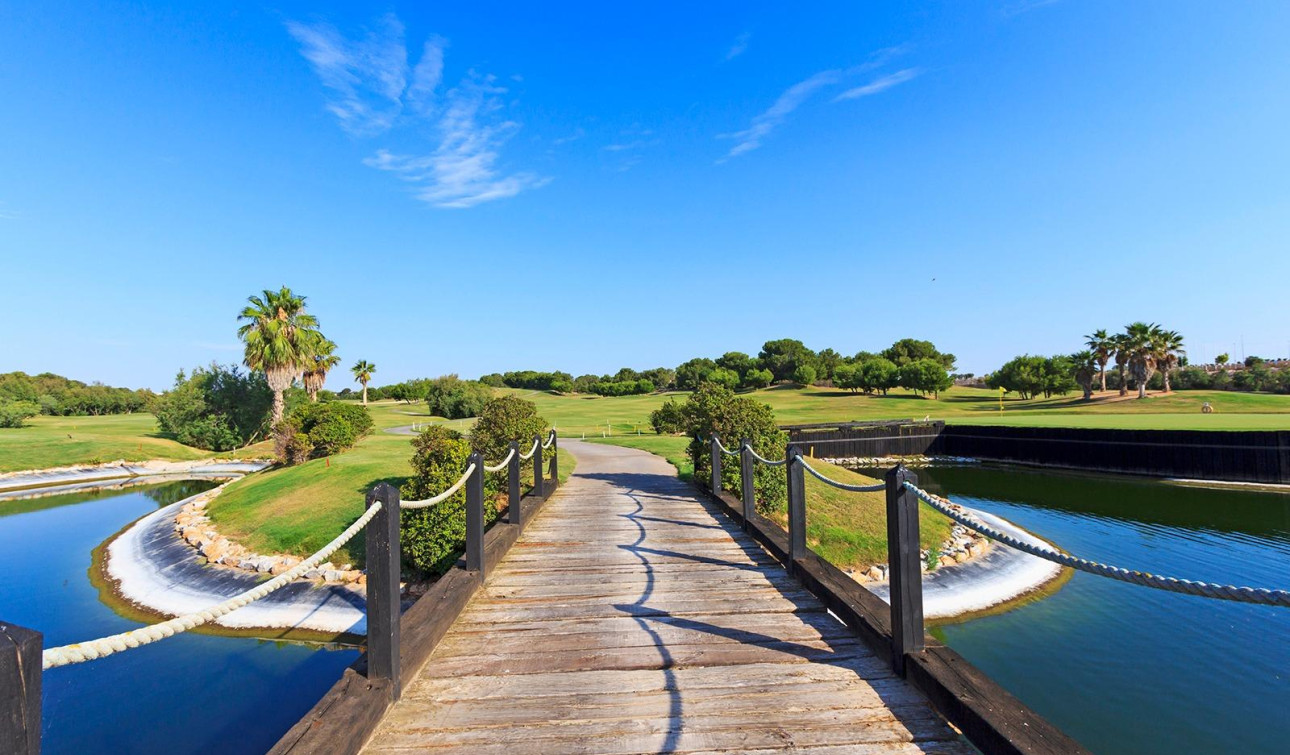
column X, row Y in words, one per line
column 62, row 441
column 299, row 509
column 596, row 416
column 848, row 529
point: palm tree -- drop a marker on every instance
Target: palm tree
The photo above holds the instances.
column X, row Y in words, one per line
column 324, row 360
column 1102, row 346
column 363, row 370
column 1086, row 369
column 281, row 340
column 1122, row 360
column 1140, row 342
column 1168, row 347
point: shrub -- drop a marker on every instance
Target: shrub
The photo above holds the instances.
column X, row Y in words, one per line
column 434, row 537
column 716, row 409
column 502, row 420
column 217, row 408
column 723, row 377
column 15, row 413
column 315, row 430
column 668, row 419
column 804, row 375
column 755, row 378
column 451, row 397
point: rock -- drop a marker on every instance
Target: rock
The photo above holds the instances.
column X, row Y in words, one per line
column 874, row 573
column 264, row 564
column 961, row 556
column 279, row 568
column 947, row 561
column 214, row 551
column 333, row 575
column 352, row 576
column 314, row 573
column 246, row 563
column 362, row 579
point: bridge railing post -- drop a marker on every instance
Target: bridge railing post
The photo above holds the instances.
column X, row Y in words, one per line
column 904, row 567
column 383, row 599
column 747, row 483
column 555, row 457
column 539, row 482
column 475, row 515
column 715, row 482
column 796, row 507
column 514, row 509
column 20, row 672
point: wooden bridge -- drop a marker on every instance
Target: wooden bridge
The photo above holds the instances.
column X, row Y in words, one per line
column 630, row 613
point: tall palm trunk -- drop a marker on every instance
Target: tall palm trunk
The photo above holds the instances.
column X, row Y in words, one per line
column 280, row 379
column 1102, row 371
column 1124, row 382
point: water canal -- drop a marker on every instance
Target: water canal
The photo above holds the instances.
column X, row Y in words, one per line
column 1127, row 669
column 190, row 693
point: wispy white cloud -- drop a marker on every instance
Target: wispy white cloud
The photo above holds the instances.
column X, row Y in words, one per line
column 575, row 136
column 366, row 76
column 740, row 45
column 462, row 171
column 371, row 85
column 879, row 84
column 791, row 99
column 766, row 122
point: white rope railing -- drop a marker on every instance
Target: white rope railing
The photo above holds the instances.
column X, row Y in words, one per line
column 532, row 451
column 1186, row 586
column 549, row 440
column 766, row 461
column 841, row 485
column 723, row 448
column 105, row 646
column 499, row 466
column 445, row 495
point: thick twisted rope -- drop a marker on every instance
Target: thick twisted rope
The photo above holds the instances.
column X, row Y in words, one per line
column 499, row 466
column 1186, row 586
column 766, row 461
column 549, row 440
column 105, row 646
column 842, row 485
column 532, row 451
column 445, row 495
column 723, row 448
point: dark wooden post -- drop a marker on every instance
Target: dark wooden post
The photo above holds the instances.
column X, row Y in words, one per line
column 20, row 651
column 383, row 600
column 747, row 483
column 513, row 495
column 904, row 569
column 539, row 483
column 555, row 458
column 715, row 482
column 796, row 507
column 475, row 515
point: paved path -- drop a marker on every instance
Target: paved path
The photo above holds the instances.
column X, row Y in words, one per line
column 631, row 618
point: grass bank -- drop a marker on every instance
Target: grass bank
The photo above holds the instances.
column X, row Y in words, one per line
column 297, row 510
column 848, row 529
column 596, row 416
column 64, row 441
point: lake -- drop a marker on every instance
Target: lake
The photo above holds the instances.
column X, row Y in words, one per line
column 185, row 694
column 1124, row 668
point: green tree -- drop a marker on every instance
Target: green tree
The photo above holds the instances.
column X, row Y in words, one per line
column 722, row 376
column 324, row 361
column 925, row 376
column 782, row 357
column 737, row 362
column 716, row 409
column 877, row 374
column 1086, row 367
column 827, row 362
column 1167, row 346
column 453, row 398
column 363, row 371
column 1140, row 341
column 668, row 419
column 755, row 378
column 502, row 420
column 1102, row 346
column 909, row 350
column 847, row 376
column 281, row 340
column 1222, row 359
column 693, row 373
column 216, row 408
column 15, row 413
column 434, row 537
column 804, row 375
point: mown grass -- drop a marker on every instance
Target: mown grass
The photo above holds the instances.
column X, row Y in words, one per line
column 62, row 441
column 848, row 529
column 299, row 509
column 596, row 416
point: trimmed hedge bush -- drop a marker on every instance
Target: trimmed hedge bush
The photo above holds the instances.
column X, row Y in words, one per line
column 716, row 409
column 434, row 538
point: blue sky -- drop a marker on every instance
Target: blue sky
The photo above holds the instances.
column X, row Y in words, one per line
column 491, row 186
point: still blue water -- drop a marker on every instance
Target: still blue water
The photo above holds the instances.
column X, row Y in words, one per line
column 1127, row 669
column 186, row 694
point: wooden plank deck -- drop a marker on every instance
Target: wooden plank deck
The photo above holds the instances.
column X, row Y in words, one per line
column 630, row 618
